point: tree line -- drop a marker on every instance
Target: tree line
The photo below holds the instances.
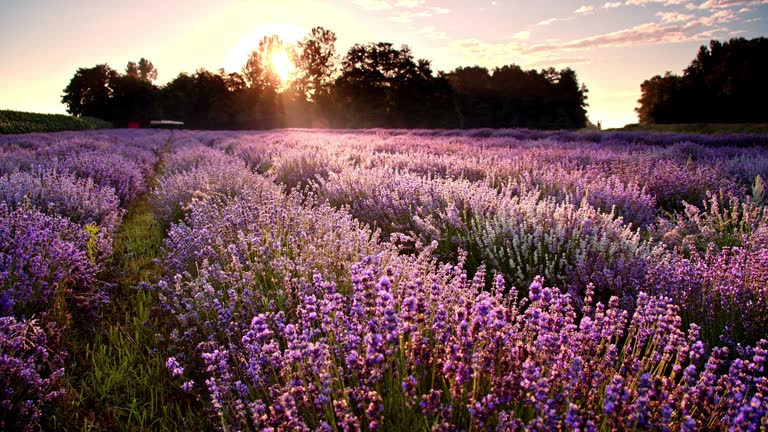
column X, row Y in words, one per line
column 725, row 83
column 373, row 85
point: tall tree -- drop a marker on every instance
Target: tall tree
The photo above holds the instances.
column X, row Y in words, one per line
column 89, row 91
column 133, row 100
column 201, row 100
column 514, row 97
column 258, row 71
column 724, row 83
column 143, row 70
column 147, row 71
column 381, row 86
column 315, row 59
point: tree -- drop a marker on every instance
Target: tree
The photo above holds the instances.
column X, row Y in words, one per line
column 724, row 83
column 233, row 80
column 133, row 100
column 259, row 74
column 657, row 100
column 89, row 91
column 315, row 59
column 144, row 70
column 200, row 100
column 381, row 86
column 513, row 97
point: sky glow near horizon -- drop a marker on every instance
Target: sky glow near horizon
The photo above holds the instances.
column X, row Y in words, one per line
column 612, row 46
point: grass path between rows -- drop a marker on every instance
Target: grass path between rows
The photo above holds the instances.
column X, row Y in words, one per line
column 117, row 375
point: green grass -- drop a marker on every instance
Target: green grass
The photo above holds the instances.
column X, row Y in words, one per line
column 116, row 374
column 17, row 122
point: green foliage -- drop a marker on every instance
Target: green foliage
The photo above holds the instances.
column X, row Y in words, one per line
column 377, row 85
column 725, row 83
column 513, row 97
column 381, row 86
column 117, row 377
column 122, row 383
column 17, row 122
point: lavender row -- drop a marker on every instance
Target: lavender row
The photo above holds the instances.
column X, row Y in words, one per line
column 62, row 198
column 264, row 282
column 638, row 180
column 559, row 217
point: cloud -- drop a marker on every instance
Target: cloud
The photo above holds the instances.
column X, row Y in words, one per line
column 718, row 17
column 560, row 61
column 522, row 35
column 610, row 5
column 486, row 50
column 409, row 15
column 431, row 32
column 548, row 21
column 492, row 54
column 373, row 4
column 647, row 2
column 584, row 9
column 643, row 34
column 719, row 4
column 411, row 4
column 672, row 28
column 554, row 20
column 673, row 17
column 405, row 11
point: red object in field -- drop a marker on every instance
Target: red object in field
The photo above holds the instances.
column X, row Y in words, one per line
column 133, row 125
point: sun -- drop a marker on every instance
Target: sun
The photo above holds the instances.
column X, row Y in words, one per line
column 282, row 64
column 238, row 55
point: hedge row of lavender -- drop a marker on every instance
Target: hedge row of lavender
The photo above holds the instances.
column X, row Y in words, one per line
column 62, row 198
column 540, row 207
column 290, row 313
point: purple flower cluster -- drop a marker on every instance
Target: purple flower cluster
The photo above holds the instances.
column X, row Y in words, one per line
column 287, row 313
column 453, row 354
column 199, row 172
column 724, row 290
column 108, row 170
column 40, row 254
column 61, row 193
column 341, row 280
column 62, row 197
column 520, row 235
column 30, row 371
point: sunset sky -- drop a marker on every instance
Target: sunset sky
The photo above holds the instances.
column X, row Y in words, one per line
column 612, row 46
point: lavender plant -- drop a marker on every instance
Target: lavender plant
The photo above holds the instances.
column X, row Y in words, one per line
column 107, row 169
column 39, row 255
column 30, row 374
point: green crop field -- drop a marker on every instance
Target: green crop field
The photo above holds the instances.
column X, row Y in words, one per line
column 16, row 122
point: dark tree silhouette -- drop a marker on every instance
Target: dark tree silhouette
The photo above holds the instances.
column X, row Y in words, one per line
column 201, row 100
column 381, row 86
column 133, row 100
column 316, row 63
column 144, row 70
column 725, row 83
column 377, row 85
column 513, row 97
column 89, row 91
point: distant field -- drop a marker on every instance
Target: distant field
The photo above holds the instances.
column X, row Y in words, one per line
column 418, row 280
column 699, row 128
column 17, row 122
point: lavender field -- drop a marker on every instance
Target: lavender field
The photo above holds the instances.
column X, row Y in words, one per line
column 383, row 280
